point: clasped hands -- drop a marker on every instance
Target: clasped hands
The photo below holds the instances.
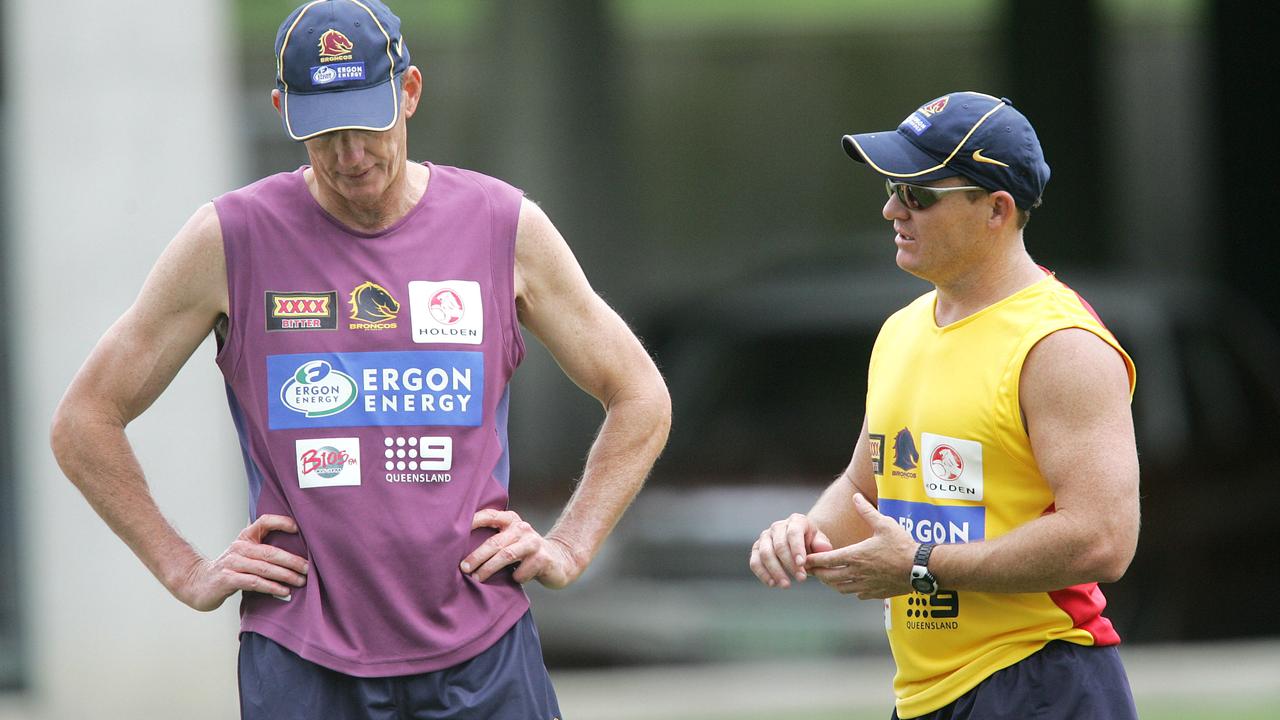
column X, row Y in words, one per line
column 877, row 567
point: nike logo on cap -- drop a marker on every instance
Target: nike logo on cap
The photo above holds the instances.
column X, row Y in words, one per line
column 979, row 157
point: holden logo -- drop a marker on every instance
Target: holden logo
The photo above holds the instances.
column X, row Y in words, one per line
column 946, row 463
column 446, row 307
column 316, row 389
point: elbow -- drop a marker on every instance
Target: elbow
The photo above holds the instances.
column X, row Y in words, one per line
column 74, row 426
column 653, row 400
column 62, row 432
column 644, row 407
column 656, row 413
column 1112, row 556
column 1102, row 542
column 1114, row 569
column 662, row 411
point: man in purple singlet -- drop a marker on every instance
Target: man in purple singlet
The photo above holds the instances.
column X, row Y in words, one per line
column 367, row 310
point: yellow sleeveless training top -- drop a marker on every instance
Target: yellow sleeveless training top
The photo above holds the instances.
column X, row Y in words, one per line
column 953, row 464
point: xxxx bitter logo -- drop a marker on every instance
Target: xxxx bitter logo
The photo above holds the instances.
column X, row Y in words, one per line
column 335, row 47
column 302, row 310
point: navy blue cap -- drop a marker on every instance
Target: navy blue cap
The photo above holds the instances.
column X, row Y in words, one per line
column 338, row 67
column 963, row 133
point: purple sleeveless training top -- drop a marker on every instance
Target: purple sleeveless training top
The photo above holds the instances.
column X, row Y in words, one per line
column 367, row 377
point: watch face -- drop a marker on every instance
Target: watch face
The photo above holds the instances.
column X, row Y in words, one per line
column 924, row 584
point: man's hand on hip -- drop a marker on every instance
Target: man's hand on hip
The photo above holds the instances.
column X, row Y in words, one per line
column 548, row 560
column 248, row 564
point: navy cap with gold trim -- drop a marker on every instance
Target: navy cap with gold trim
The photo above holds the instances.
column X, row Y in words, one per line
column 338, row 67
column 981, row 137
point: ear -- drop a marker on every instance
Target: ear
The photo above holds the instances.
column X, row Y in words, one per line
column 275, row 100
column 1004, row 209
column 411, row 87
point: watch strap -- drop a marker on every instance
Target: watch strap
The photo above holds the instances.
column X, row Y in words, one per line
column 922, row 554
column 923, row 581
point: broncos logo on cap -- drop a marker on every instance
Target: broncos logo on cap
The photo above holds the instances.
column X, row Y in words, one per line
column 333, row 44
column 905, row 454
column 371, row 303
column 935, row 107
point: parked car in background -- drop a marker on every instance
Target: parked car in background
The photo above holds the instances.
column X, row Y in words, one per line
column 768, row 381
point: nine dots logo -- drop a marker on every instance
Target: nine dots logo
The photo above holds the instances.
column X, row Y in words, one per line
column 419, row 453
column 943, row 605
column 912, row 602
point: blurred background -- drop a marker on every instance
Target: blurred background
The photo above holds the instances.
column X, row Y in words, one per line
column 689, row 151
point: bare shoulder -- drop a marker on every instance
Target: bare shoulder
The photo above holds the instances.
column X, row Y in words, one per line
column 1073, row 371
column 179, row 304
column 202, row 234
column 192, row 272
column 545, row 265
column 534, row 223
column 537, row 240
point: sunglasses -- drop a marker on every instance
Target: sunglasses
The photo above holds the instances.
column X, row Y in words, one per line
column 919, row 197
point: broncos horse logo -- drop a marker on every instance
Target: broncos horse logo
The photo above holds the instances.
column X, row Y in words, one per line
column 371, row 303
column 333, row 44
column 905, row 454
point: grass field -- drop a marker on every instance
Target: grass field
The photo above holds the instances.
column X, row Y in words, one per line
column 1204, row 710
column 1176, row 682
column 1208, row 708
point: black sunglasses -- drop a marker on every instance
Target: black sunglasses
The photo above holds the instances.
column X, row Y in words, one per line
column 920, row 197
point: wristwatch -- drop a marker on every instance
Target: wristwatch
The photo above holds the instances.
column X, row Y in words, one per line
column 922, row 580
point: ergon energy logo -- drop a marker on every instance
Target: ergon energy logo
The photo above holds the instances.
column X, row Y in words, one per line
column 939, row 524
column 387, row 389
column 317, row 390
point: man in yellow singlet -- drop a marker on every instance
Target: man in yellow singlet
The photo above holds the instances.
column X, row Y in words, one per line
column 994, row 483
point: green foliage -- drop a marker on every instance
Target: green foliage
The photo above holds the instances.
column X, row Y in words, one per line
column 453, row 17
column 259, row 17
column 780, row 14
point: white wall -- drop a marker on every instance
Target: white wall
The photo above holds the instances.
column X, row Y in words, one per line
column 119, row 127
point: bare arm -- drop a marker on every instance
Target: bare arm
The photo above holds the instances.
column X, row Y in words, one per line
column 833, row 512
column 597, row 350
column 1075, row 399
column 129, row 368
column 783, row 548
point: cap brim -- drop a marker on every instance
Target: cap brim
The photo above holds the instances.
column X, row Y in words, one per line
column 892, row 155
column 373, row 108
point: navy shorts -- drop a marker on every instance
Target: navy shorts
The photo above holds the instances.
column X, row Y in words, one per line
column 1063, row 681
column 506, row 682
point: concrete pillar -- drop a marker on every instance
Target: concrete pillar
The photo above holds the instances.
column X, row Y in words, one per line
column 119, row 126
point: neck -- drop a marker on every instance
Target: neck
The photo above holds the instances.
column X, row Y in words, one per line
column 986, row 285
column 402, row 194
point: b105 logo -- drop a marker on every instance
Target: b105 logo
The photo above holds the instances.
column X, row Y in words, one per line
column 328, row 462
